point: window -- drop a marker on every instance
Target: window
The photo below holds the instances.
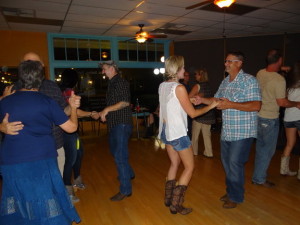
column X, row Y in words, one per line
column 81, row 49
column 146, row 52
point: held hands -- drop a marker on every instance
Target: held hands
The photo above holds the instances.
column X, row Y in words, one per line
column 196, row 100
column 214, row 103
column 224, row 103
column 11, row 128
column 95, row 115
column 74, row 100
column 103, row 114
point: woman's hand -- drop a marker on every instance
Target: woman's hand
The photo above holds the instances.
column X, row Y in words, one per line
column 74, row 100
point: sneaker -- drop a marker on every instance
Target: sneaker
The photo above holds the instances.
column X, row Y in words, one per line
column 78, row 183
column 74, row 199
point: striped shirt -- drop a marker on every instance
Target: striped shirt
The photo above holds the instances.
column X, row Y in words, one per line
column 238, row 124
column 118, row 91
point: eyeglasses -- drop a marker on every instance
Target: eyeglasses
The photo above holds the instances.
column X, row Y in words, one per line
column 231, row 61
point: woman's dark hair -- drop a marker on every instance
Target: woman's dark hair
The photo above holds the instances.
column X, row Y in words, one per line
column 31, row 74
column 293, row 77
column 69, row 79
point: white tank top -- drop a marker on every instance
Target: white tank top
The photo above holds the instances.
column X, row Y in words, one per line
column 171, row 112
column 293, row 113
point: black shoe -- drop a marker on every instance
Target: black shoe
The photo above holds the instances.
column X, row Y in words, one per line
column 224, row 198
column 119, row 196
column 267, row 184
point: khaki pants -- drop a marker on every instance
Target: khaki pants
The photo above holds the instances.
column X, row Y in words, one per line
column 61, row 160
column 196, row 129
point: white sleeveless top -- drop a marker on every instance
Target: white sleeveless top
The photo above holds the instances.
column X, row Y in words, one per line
column 171, row 112
column 293, row 113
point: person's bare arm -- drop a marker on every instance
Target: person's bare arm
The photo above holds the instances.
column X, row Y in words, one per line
column 115, row 107
column 72, row 124
column 284, row 102
column 187, row 105
column 194, row 91
column 249, row 106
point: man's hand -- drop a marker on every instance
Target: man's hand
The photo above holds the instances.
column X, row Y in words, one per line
column 95, row 115
column 224, row 103
column 10, row 128
column 103, row 114
column 8, row 91
column 74, row 100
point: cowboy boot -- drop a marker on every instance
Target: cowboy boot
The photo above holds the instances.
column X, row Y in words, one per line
column 285, row 168
column 169, row 186
column 178, row 199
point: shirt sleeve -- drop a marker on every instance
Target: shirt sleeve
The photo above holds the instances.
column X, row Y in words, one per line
column 58, row 115
column 123, row 91
column 252, row 90
column 280, row 89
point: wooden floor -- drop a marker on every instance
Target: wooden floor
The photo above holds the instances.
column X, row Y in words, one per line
column 263, row 206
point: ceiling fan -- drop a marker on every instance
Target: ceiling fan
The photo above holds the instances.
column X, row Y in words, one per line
column 142, row 36
column 220, row 3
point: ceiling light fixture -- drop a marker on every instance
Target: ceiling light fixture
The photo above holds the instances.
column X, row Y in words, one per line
column 141, row 39
column 223, row 3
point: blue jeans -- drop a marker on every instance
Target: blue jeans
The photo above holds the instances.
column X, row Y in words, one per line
column 118, row 143
column 267, row 136
column 70, row 147
column 234, row 155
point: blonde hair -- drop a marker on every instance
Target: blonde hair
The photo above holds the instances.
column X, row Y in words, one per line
column 203, row 73
column 172, row 65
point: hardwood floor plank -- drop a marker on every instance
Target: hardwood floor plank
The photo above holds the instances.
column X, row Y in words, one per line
column 276, row 206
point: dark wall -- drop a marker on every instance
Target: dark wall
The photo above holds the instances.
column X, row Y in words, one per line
column 210, row 53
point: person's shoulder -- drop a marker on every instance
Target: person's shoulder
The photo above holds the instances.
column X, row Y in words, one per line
column 48, row 83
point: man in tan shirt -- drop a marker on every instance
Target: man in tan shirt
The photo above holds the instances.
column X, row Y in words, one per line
column 273, row 91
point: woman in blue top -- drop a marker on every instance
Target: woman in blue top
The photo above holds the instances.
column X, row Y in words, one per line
column 33, row 192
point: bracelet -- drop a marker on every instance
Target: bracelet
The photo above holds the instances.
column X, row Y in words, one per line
column 91, row 114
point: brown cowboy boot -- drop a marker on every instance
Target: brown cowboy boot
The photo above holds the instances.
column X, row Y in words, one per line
column 169, row 186
column 178, row 199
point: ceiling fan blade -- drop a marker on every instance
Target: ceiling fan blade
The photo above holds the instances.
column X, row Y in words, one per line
column 131, row 39
column 158, row 36
column 198, row 4
column 149, row 40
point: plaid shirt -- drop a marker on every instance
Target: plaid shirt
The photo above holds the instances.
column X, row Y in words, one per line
column 238, row 124
column 118, row 91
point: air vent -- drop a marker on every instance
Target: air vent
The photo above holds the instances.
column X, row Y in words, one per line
column 235, row 9
column 28, row 20
column 16, row 15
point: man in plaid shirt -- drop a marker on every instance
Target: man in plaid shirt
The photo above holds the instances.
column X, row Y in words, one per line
column 118, row 115
column 240, row 98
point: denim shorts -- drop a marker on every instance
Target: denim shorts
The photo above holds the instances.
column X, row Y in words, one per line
column 178, row 144
column 292, row 124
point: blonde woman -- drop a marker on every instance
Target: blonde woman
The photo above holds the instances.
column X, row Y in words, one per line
column 202, row 123
column 291, row 121
column 175, row 105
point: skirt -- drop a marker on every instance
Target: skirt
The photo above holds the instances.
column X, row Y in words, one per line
column 33, row 193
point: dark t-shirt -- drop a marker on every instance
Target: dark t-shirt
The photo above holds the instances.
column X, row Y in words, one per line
column 38, row 113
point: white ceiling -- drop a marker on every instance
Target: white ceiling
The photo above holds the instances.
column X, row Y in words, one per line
column 121, row 17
